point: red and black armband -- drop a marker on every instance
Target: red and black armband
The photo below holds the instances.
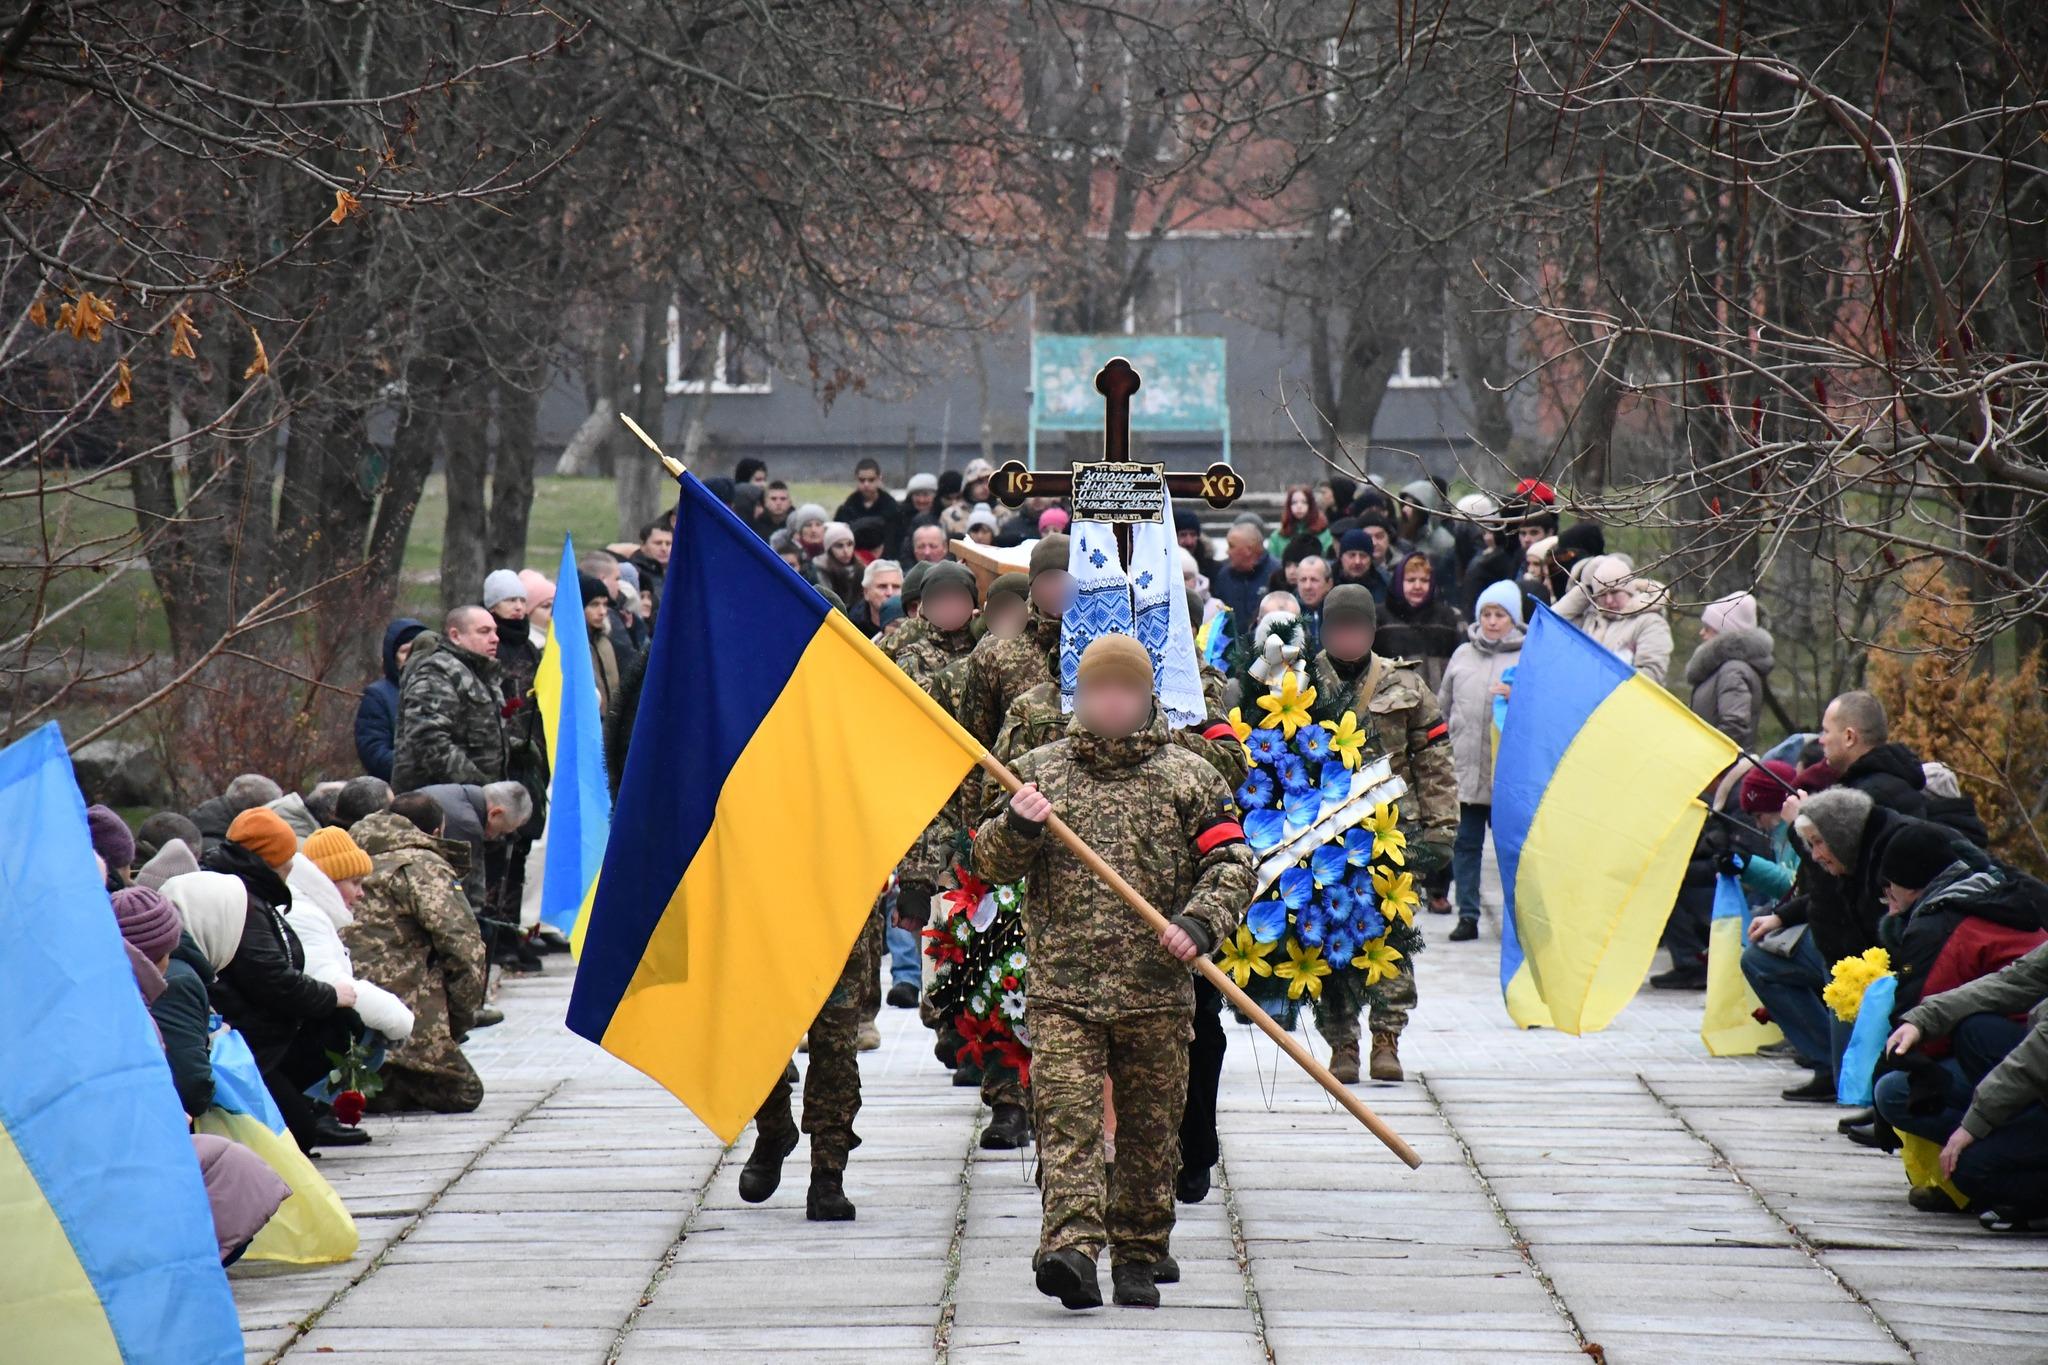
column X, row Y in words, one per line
column 1216, row 832
column 1437, row 733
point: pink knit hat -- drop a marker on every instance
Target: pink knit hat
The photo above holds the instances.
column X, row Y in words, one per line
column 1052, row 519
column 1736, row 611
column 540, row 590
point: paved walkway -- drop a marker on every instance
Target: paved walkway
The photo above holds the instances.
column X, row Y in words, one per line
column 1622, row 1192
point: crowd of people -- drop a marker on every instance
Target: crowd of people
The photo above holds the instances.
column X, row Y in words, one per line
column 363, row 916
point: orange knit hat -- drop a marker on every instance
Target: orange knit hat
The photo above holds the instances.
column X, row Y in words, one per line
column 264, row 833
column 333, row 852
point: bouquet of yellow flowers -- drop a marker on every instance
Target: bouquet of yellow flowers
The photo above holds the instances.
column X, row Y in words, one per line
column 1852, row 977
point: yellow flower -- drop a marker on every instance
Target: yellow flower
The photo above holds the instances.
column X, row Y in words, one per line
column 1852, row 975
column 1288, row 708
column 1238, row 726
column 1378, row 959
column 1304, row 970
column 1347, row 741
column 1244, row 957
column 1387, row 839
column 1396, row 891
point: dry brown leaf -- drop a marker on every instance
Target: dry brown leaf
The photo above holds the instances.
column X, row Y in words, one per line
column 261, row 364
column 121, row 396
column 183, row 333
column 344, row 204
column 37, row 313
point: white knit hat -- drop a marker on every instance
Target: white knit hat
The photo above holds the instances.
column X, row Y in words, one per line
column 500, row 584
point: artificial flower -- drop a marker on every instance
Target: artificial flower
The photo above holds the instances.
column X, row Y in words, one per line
column 1006, row 895
column 1339, row 901
column 1264, row 829
column 1396, row 892
column 978, row 1036
column 1336, row 784
column 1367, row 922
column 1267, row 920
column 1303, row 971
column 1257, row 790
column 1312, row 926
column 1379, row 960
column 1312, row 742
column 1327, row 863
column 1265, row 746
column 1016, row 1056
column 1852, row 976
column 1358, row 846
column 1347, row 741
column 1292, row 772
column 1238, row 725
column 1243, row 956
column 1287, row 708
column 1385, row 824
column 1302, row 808
column 1013, row 1004
column 1018, row 962
column 1339, row 944
column 1297, row 886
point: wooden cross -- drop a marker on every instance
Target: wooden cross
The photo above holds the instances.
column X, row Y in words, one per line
column 1218, row 485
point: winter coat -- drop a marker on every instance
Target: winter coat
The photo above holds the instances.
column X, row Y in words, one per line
column 1241, row 591
column 213, row 816
column 1771, row 877
column 265, row 992
column 449, row 717
column 843, row 579
column 1969, row 922
column 1844, row 911
column 1465, row 696
column 1891, row 776
column 1727, row 675
column 318, row 916
column 2021, row 1079
column 241, row 1190
column 466, row 817
column 1423, row 637
column 377, row 712
column 183, row 1015
column 1959, row 813
column 1638, row 634
column 885, row 510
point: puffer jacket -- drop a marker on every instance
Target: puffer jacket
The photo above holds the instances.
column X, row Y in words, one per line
column 265, row 992
column 318, row 915
column 1465, row 696
column 377, row 713
column 1727, row 678
column 1638, row 634
column 1971, row 921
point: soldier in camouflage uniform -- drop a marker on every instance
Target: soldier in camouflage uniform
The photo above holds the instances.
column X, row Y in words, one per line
column 1400, row 717
column 450, row 723
column 913, row 628
column 1001, row 670
column 415, row 936
column 1107, row 997
column 831, row 1095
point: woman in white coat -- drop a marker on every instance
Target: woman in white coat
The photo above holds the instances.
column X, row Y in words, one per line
column 1474, row 677
column 325, row 878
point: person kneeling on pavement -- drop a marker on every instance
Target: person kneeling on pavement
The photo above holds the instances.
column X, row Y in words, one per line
column 1107, row 997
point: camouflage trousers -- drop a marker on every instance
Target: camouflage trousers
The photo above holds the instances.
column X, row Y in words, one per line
column 832, row 1079
column 1389, row 1004
column 1002, row 1085
column 1130, row 1208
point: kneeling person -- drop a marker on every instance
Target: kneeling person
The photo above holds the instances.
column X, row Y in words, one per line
column 1108, row 997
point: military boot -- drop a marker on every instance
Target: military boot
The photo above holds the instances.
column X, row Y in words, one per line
column 1344, row 1062
column 1133, row 1285
column 763, row 1171
column 1386, row 1058
column 1008, row 1130
column 827, row 1201
column 1069, row 1276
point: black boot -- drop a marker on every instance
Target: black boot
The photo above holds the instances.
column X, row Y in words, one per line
column 762, row 1174
column 1132, row 1285
column 1007, row 1131
column 1166, row 1270
column 1818, row 1089
column 827, row 1201
column 967, row 1074
column 1464, row 931
column 329, row 1131
column 1069, row 1276
column 1192, row 1185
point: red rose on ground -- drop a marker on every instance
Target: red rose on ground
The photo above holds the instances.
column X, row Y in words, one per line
column 348, row 1108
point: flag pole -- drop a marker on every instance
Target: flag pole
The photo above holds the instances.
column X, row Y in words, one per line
column 1216, row 976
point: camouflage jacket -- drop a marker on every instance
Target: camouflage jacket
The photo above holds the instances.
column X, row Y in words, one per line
column 931, row 652
column 1035, row 719
column 450, row 727
column 1400, row 717
column 893, row 642
column 415, row 936
column 930, row 663
column 998, row 672
column 1163, row 819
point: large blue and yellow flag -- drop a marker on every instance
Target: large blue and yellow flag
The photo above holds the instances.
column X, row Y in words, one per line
column 778, row 769
column 579, row 801
column 1595, row 812
column 107, row 1252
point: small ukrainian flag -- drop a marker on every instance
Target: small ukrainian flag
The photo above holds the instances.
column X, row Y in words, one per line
column 779, row 767
column 579, row 802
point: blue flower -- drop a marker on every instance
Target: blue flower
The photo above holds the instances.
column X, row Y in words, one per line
column 1327, row 863
column 1292, row 771
column 1341, row 902
column 1336, row 784
column 1312, row 742
column 1264, row 829
column 1358, row 846
column 1367, row 922
column 1312, row 927
column 1302, row 808
column 1257, row 790
column 1265, row 745
column 1339, row 945
column 1267, row 920
column 1361, row 885
column 1296, row 887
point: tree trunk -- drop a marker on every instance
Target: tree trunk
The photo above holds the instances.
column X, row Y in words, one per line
column 639, row 473
column 463, row 538
column 512, row 475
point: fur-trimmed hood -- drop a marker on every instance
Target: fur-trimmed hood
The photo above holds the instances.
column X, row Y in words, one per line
column 1753, row 647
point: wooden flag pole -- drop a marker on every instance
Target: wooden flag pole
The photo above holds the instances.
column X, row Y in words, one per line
column 1114, row 880
column 1217, row 977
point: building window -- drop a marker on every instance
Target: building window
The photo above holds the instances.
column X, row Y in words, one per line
column 704, row 359
column 1422, row 367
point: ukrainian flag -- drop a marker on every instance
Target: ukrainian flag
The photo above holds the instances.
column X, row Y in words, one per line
column 579, row 801
column 107, row 1251
column 1595, row 812
column 779, row 767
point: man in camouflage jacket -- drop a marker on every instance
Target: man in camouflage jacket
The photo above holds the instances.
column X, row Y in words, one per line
column 1399, row 715
column 914, row 627
column 450, row 706
column 415, row 936
column 1107, row 996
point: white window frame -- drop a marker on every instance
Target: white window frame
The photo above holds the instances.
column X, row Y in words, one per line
column 717, row 383
column 1404, row 376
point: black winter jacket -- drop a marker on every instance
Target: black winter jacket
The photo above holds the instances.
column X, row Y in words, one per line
column 1890, row 775
column 265, row 992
